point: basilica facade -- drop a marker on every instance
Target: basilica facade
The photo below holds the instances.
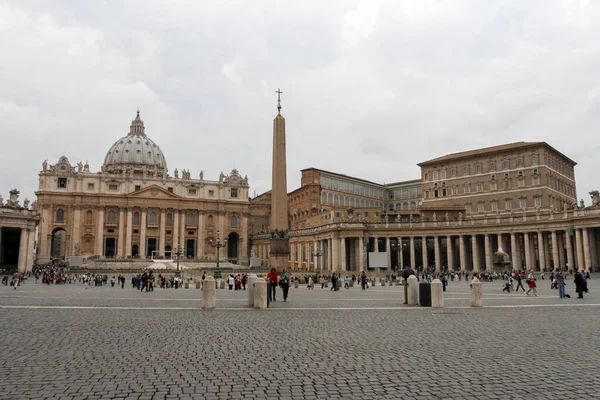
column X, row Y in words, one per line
column 133, row 207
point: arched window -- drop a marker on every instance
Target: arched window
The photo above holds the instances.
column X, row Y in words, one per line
column 234, row 221
column 152, row 220
column 398, row 208
column 88, row 217
column 362, row 203
column 336, row 200
column 112, row 217
column 323, row 197
column 330, row 198
column 190, row 219
column 413, row 205
column 405, row 205
column 210, row 220
column 136, row 218
column 169, row 219
column 60, row 215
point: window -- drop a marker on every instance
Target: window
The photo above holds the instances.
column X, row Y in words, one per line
column 234, row 192
column 467, row 188
column 492, row 166
column 377, row 213
column 538, row 202
column 152, row 219
column 88, row 217
column 137, row 187
column 508, row 204
column 478, row 168
column 366, row 213
column 519, row 162
column 113, row 187
column 534, row 159
column 520, row 173
column 521, row 182
column 523, row 203
column 507, row 184
column 426, row 176
column 323, row 197
column 443, row 174
column 169, row 219
column 435, row 175
column 210, row 220
column 506, row 175
column 493, row 185
column 481, row 206
column 234, row 222
column 453, row 172
column 506, row 164
column 468, row 208
column 336, row 200
column 337, row 214
column 466, row 170
column 90, row 186
column 479, row 186
column 494, row 205
column 192, row 192
column 191, row 220
column 170, row 189
column 211, row 193
column 535, row 171
column 60, row 215
column 112, row 217
column 62, row 183
column 136, row 218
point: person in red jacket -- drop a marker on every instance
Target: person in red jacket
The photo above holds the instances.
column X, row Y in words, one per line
column 272, row 282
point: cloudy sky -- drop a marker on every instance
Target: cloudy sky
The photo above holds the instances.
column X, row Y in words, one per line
column 371, row 88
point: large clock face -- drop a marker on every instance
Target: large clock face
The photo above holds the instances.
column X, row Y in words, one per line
column 63, row 167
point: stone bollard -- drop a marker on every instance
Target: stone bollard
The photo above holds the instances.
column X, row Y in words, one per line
column 209, row 294
column 295, row 284
column 251, row 281
column 413, row 290
column 437, row 294
column 391, row 283
column 326, row 284
column 218, row 283
column 187, row 284
column 382, row 283
column 260, row 294
column 198, row 284
column 476, row 293
column 222, row 284
column 373, row 282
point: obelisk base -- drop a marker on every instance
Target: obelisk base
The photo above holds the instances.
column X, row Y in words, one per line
column 279, row 255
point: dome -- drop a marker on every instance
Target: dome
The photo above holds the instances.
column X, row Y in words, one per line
column 135, row 151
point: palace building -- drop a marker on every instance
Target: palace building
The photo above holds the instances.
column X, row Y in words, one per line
column 512, row 206
column 133, row 207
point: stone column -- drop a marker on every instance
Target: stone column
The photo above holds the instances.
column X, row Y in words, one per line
column 555, row 258
column 143, row 224
column 46, row 221
column 128, row 231
column 176, row 243
column 243, row 248
column 30, row 244
column 514, row 249
column 476, row 258
column 489, row 255
column 413, row 259
column 293, row 254
column 76, row 227
column 22, row 261
column 450, row 251
column 334, row 255
column 501, row 242
column 99, row 249
column 462, row 250
column 424, row 255
column 587, row 255
column 299, row 255
column 182, row 222
column 361, row 254
column 376, row 242
column 438, row 254
column 162, row 232
column 570, row 260
column 579, row 246
column 122, row 229
column 388, row 251
column 547, row 256
column 308, row 257
column 561, row 249
column 541, row 253
column 527, row 246
column 202, row 230
column 343, row 260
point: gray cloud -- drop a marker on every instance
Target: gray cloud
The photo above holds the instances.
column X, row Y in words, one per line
column 370, row 87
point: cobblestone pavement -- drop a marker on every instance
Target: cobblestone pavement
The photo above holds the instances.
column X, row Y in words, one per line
column 66, row 342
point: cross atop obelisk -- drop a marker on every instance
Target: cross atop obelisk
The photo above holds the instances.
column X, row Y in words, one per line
column 279, row 92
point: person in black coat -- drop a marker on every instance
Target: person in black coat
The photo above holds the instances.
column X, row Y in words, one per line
column 579, row 284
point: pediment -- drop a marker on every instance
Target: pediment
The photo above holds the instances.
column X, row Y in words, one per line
column 153, row 192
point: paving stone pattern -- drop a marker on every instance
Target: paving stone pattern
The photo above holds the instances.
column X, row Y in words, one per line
column 318, row 345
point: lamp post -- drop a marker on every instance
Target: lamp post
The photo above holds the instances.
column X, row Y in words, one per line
column 317, row 253
column 217, row 244
column 399, row 247
column 178, row 252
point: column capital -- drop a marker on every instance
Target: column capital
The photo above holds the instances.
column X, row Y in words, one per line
column 129, row 208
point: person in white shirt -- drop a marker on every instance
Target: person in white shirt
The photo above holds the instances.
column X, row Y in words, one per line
column 231, row 282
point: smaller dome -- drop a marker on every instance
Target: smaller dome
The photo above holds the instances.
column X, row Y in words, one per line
column 135, row 149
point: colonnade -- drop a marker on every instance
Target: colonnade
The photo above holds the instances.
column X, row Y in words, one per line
column 487, row 251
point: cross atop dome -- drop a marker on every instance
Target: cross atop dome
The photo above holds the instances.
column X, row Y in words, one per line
column 137, row 125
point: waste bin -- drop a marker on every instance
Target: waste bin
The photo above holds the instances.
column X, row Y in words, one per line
column 425, row 294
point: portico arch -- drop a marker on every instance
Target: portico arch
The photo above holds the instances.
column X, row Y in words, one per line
column 58, row 246
column 232, row 247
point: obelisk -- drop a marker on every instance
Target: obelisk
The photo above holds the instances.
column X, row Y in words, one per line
column 280, row 250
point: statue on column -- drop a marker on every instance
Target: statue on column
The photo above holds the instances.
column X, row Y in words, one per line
column 79, row 166
column 201, row 175
column 77, row 250
column 460, row 216
column 45, row 165
column 447, row 217
column 1, row 200
column 176, row 172
column 26, row 203
column 86, row 167
column 595, row 195
column 434, row 217
column 221, row 176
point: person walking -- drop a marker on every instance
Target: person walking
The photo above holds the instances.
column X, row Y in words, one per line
column 346, row 282
column 560, row 283
column 519, row 282
column 579, row 284
column 272, row 282
column 363, row 280
column 531, row 283
column 231, row 282
column 285, row 284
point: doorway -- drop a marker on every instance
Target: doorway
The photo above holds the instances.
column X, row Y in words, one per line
column 58, row 246
column 9, row 254
column 232, row 247
column 190, row 245
column 110, row 247
column 135, row 251
column 151, row 247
